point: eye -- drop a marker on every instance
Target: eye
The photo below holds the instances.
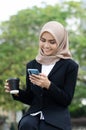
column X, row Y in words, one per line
column 52, row 41
column 42, row 39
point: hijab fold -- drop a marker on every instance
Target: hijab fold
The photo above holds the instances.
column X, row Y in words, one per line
column 60, row 34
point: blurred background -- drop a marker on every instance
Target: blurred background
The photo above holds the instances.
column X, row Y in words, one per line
column 20, row 24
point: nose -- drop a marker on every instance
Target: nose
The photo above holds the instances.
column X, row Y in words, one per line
column 46, row 44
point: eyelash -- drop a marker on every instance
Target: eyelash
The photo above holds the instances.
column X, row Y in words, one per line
column 51, row 42
column 43, row 40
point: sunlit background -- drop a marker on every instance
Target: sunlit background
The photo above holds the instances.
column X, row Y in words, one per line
column 11, row 7
column 14, row 36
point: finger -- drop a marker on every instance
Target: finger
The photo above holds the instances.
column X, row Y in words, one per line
column 6, row 84
column 6, row 80
column 41, row 74
column 6, row 87
column 7, row 91
column 33, row 80
column 33, row 76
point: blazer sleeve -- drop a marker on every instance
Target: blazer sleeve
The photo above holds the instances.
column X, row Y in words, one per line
column 25, row 96
column 64, row 96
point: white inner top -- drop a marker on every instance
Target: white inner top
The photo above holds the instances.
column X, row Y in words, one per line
column 45, row 70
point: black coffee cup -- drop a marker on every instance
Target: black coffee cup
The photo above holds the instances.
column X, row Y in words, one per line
column 14, row 85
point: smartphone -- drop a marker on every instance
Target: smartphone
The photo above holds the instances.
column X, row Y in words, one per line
column 33, row 71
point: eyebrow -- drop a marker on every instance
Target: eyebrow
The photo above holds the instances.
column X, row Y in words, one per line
column 52, row 40
column 49, row 39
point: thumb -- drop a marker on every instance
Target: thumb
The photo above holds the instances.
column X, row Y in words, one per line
column 41, row 74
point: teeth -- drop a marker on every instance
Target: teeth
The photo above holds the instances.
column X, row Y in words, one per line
column 46, row 50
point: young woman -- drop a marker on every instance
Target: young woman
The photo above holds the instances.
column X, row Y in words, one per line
column 51, row 91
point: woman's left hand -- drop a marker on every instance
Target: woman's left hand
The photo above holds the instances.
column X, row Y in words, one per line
column 41, row 80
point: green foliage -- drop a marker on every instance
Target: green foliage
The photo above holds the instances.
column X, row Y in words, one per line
column 19, row 44
column 78, row 111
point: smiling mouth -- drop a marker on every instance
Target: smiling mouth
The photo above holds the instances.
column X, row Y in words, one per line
column 46, row 50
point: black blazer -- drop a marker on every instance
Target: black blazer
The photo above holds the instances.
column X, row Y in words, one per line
column 53, row 102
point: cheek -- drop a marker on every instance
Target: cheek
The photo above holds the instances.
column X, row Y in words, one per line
column 40, row 45
column 55, row 47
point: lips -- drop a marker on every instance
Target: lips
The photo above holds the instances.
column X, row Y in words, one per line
column 46, row 50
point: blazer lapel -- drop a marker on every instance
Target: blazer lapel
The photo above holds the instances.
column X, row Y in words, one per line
column 56, row 67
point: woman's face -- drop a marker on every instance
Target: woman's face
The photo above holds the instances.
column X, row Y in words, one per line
column 48, row 44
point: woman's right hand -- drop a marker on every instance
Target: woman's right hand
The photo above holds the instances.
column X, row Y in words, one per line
column 7, row 87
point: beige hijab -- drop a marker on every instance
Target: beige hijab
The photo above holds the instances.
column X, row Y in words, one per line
column 60, row 34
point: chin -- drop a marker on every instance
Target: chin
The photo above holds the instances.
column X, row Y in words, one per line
column 47, row 54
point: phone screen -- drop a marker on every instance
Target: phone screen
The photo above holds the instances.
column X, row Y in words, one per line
column 33, row 71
